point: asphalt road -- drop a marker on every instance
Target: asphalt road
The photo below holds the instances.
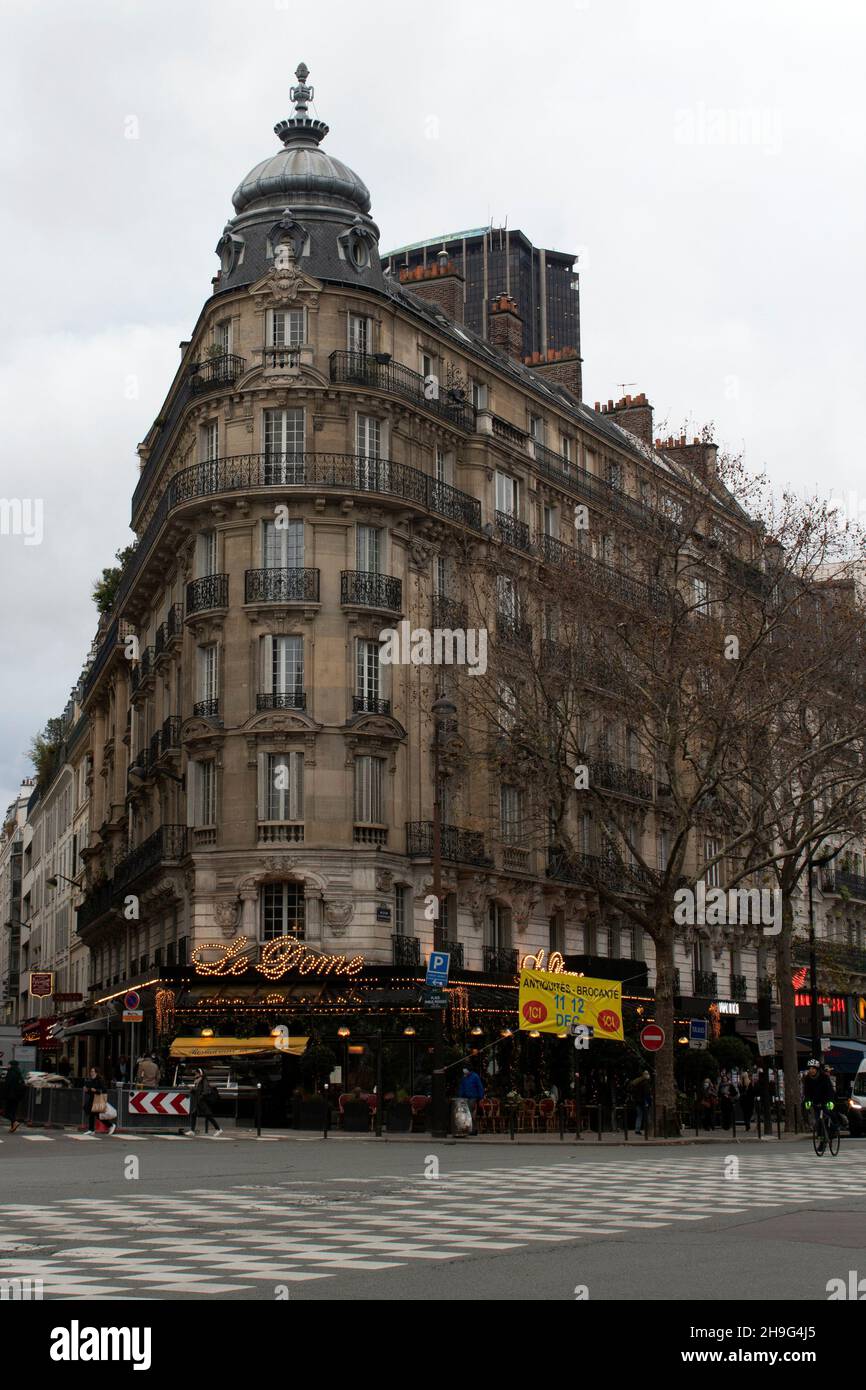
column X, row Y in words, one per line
column 306, row 1218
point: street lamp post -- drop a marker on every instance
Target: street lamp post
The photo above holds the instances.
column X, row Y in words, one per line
column 441, row 709
column 813, row 959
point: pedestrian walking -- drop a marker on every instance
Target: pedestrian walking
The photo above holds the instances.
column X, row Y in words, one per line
column 471, row 1090
column 13, row 1094
column 747, row 1099
column 203, row 1096
column 729, row 1094
column 642, row 1094
column 96, row 1101
column 147, row 1073
column 709, row 1096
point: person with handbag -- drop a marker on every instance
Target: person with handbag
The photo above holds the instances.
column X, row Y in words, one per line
column 14, row 1090
column 96, row 1100
column 203, row 1096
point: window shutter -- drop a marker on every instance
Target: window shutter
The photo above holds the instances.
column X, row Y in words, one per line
column 262, row 796
column 296, row 786
column 192, row 794
column 266, row 654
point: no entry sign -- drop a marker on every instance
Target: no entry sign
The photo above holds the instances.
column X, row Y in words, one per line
column 652, row 1037
column 159, row 1103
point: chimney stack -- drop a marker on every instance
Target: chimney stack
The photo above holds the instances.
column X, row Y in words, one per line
column 562, row 365
column 506, row 326
column 633, row 413
column 440, row 283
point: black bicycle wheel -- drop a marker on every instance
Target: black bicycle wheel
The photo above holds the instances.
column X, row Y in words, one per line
column 833, row 1138
column 818, row 1143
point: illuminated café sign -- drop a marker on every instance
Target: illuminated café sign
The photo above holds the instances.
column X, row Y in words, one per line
column 41, row 983
column 277, row 958
column 727, row 1006
column 554, row 966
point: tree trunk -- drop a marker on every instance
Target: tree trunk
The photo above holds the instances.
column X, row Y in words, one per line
column 785, row 986
column 665, row 1086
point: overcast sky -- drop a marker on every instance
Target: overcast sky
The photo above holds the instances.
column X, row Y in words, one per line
column 706, row 162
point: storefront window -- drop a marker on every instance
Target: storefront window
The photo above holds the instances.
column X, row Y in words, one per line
column 282, row 910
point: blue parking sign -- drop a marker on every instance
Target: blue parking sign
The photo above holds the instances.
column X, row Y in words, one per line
column 437, row 968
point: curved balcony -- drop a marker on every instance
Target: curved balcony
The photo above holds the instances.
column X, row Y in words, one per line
column 369, row 704
column 206, row 709
column 393, row 379
column 292, row 585
column 364, row 589
column 224, row 370
column 250, row 472
column 211, row 591
column 289, row 699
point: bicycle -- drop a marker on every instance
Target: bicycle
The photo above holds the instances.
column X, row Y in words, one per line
column 825, row 1134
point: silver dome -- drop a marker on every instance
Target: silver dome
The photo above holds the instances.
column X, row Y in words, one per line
column 301, row 173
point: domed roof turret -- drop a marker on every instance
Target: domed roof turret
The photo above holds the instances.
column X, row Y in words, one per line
column 309, row 198
column 301, row 174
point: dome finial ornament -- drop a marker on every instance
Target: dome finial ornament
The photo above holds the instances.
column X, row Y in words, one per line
column 302, row 94
column 300, row 129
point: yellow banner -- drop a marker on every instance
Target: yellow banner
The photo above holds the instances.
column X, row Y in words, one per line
column 551, row 1003
column 236, row 1047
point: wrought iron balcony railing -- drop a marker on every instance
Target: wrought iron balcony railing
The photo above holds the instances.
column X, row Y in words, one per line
column 706, row 984
column 855, row 884
column 405, row 950
column 292, row 585
column 368, row 590
column 511, row 630
column 359, row 369
column 629, row 781
column 599, row 575
column 449, row 613
column 500, row 960
column 738, row 987
column 247, row 472
column 370, row 704
column 555, row 656
column 458, row 846
column 206, row 709
column 168, row 844
column 454, row 950
column 215, row 372
column 591, row 869
column 287, row 699
column 95, row 905
column 211, row 591
column 599, row 490
column 513, row 531
column 147, row 663
column 765, row 987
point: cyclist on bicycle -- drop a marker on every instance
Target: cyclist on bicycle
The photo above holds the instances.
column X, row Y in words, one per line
column 819, row 1093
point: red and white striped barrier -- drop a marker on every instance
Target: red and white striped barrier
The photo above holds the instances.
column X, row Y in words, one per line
column 171, row 1103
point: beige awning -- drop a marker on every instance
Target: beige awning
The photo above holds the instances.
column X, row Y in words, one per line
column 237, row 1047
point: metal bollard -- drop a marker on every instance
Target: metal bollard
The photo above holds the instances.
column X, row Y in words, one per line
column 327, row 1121
column 599, row 1121
column 778, row 1121
column 625, row 1122
column 561, row 1121
column 511, row 1121
column 258, row 1110
column 758, row 1120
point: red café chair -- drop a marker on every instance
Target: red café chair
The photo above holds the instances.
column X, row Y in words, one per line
column 419, row 1106
column 496, row 1118
column 570, row 1114
column 547, row 1112
column 485, row 1116
column 526, row 1115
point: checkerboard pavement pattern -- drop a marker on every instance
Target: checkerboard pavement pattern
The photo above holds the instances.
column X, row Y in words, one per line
column 252, row 1238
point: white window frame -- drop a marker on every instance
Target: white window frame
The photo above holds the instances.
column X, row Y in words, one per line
column 507, row 494
column 282, row 664
column 359, row 334
column 369, row 790
column 283, row 546
column 208, row 671
column 281, row 803
column 368, row 549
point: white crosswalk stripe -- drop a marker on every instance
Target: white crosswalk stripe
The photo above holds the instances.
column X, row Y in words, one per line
column 202, row 1242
